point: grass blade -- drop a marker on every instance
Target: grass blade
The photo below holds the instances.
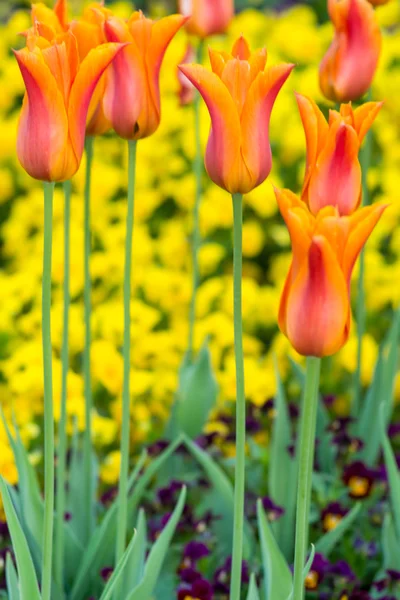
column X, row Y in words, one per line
column 118, row 571
column 11, row 579
column 328, row 541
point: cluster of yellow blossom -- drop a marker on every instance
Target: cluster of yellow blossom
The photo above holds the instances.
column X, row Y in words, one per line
column 162, row 266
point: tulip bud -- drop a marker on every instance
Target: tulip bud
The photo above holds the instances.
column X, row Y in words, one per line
column 315, row 309
column 239, row 93
column 51, row 131
column 333, row 171
column 132, row 97
column 348, row 68
column 207, row 17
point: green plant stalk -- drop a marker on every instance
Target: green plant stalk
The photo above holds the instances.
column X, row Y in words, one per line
column 196, row 240
column 87, row 441
column 365, row 160
column 62, row 427
column 305, row 470
column 47, row 560
column 238, row 518
column 125, row 433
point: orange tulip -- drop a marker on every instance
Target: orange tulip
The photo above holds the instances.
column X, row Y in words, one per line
column 208, row 17
column 59, row 88
column 132, row 97
column 240, row 93
column 348, row 67
column 333, row 171
column 315, row 309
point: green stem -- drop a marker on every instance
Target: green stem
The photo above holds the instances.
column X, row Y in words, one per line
column 125, row 433
column 62, row 429
column 305, row 462
column 48, row 396
column 365, row 160
column 196, row 240
column 238, row 520
column 87, row 442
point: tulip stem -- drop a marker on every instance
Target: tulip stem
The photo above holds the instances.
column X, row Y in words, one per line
column 62, row 428
column 238, row 523
column 125, row 433
column 87, row 448
column 305, row 462
column 365, row 160
column 196, row 240
column 48, row 396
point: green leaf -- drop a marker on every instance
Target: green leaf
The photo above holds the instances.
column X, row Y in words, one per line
column 277, row 575
column 393, row 473
column 26, row 570
column 309, row 562
column 366, row 428
column 28, row 490
column 390, row 366
column 390, row 544
column 328, row 541
column 197, row 393
column 118, row 571
column 101, row 545
column 135, row 568
column 253, row 589
column 224, row 497
column 282, row 479
column 11, row 579
column 155, row 560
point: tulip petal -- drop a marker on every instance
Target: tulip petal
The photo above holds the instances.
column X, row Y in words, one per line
column 362, row 224
column 61, row 10
column 223, row 149
column 42, row 14
column 90, row 71
column 336, row 179
column 364, row 116
column 43, row 125
column 241, row 49
column 316, row 131
column 218, row 60
column 317, row 304
column 255, row 119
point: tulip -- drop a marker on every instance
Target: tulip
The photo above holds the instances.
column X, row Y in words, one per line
column 56, row 19
column 59, row 88
column 315, row 309
column 348, row 68
column 132, row 97
column 240, row 93
column 207, row 17
column 333, row 171
column 186, row 92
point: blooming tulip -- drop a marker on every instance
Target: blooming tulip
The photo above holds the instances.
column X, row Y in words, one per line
column 240, row 93
column 207, row 17
column 333, row 172
column 59, row 88
column 315, row 309
column 348, row 67
column 132, row 97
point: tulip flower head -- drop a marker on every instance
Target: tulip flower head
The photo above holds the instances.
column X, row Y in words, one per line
column 348, row 68
column 59, row 88
column 239, row 93
column 333, row 171
column 207, row 17
column 315, row 309
column 132, row 97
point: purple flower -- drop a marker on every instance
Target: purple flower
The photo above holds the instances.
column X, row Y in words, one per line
column 332, row 514
column 274, row 512
column 195, row 551
column 359, row 479
column 319, row 569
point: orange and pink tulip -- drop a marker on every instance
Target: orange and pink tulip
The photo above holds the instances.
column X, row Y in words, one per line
column 207, row 17
column 239, row 93
column 349, row 66
column 333, row 171
column 132, row 96
column 59, row 88
column 315, row 311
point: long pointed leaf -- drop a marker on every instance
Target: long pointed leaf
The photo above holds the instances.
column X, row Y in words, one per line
column 135, row 568
column 277, row 575
column 118, row 571
column 393, row 473
column 253, row 589
column 26, row 570
column 157, row 554
column 390, row 544
column 328, row 541
column 11, row 579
